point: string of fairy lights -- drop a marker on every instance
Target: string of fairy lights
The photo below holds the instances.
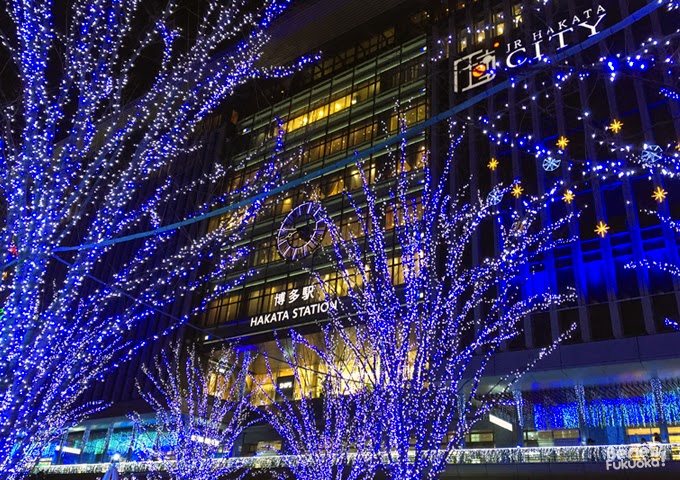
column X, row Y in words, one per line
column 425, row 338
column 197, row 415
column 550, row 163
column 45, row 215
column 76, row 165
column 643, row 160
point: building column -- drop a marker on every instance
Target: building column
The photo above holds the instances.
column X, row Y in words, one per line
column 109, row 432
column 86, row 438
column 582, row 407
column 519, row 410
column 62, row 444
column 460, row 407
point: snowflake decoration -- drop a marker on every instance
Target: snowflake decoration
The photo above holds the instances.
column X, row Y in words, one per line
column 495, row 196
column 651, row 154
column 550, row 164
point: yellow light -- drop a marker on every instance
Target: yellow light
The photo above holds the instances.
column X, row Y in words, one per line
column 659, row 194
column 517, row 190
column 479, row 70
column 493, row 163
column 500, row 422
column 562, row 142
column 601, row 229
column 568, row 196
column 615, row 126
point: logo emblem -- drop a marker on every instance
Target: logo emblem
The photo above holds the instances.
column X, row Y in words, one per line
column 474, row 70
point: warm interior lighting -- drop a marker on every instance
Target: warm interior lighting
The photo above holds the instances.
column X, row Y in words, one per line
column 500, row 422
column 69, row 450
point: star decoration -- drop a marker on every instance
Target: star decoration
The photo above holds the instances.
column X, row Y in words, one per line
column 493, row 163
column 601, row 229
column 562, row 142
column 659, row 194
column 615, row 126
column 517, row 190
column 568, row 196
column 677, row 146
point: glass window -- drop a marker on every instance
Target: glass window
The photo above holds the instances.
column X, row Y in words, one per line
column 480, row 31
column 499, row 23
column 462, row 41
column 516, row 15
column 254, row 302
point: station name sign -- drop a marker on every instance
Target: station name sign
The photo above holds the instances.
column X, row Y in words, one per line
column 291, row 298
column 480, row 67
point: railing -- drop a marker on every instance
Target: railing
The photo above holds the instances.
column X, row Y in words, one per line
column 663, row 452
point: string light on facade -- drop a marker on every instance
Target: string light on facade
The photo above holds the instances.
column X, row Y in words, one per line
column 550, row 164
column 651, row 154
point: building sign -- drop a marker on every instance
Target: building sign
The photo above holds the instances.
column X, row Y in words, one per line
column 479, row 68
column 301, row 306
column 628, row 457
column 286, row 387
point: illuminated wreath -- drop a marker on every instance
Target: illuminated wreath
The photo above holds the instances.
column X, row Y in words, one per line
column 302, row 231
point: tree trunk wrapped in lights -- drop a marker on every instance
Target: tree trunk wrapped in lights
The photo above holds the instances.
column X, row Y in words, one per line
column 327, row 428
column 199, row 414
column 77, row 169
column 429, row 336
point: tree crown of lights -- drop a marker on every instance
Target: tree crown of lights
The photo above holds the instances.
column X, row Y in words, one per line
column 326, row 422
column 200, row 412
column 78, row 167
column 425, row 345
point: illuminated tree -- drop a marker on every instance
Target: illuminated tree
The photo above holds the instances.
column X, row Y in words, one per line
column 79, row 171
column 324, row 414
column 199, row 413
column 427, row 320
